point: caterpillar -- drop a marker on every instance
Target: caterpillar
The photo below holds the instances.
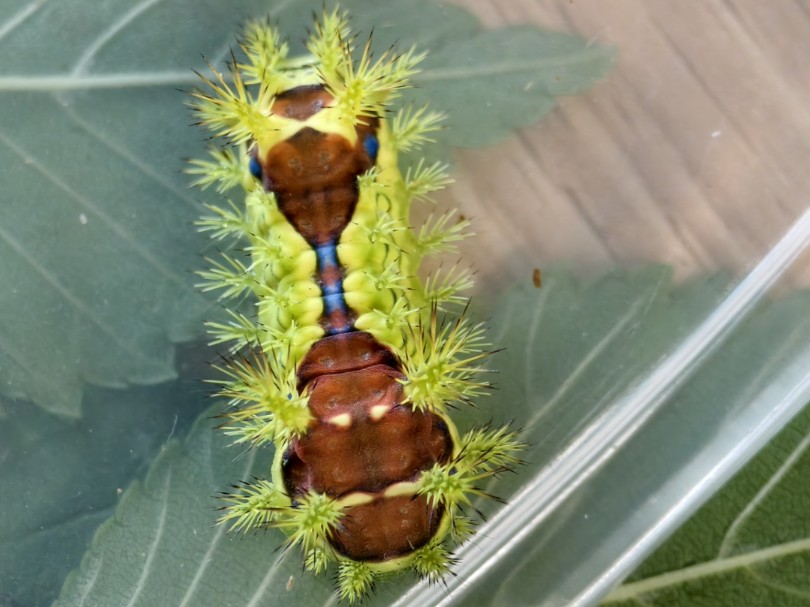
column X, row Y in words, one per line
column 350, row 363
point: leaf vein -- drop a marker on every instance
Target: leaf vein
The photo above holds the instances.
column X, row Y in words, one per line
column 115, row 147
column 272, row 571
column 58, row 82
column 528, row 354
column 150, row 556
column 762, row 494
column 91, row 583
column 598, row 348
column 96, row 210
column 77, row 303
column 207, row 558
column 20, row 16
column 709, row 568
column 108, row 34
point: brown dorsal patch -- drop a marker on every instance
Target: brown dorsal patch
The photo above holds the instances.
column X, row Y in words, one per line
column 366, row 452
column 341, row 353
column 301, row 102
column 314, row 174
column 314, row 177
column 387, row 528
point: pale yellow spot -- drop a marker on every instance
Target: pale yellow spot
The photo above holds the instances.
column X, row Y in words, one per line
column 377, row 412
column 344, row 420
column 355, row 499
column 403, row 488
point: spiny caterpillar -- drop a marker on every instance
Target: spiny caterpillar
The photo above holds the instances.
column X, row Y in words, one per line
column 352, row 362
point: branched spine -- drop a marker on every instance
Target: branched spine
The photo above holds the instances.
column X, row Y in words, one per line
column 411, row 128
column 231, row 276
column 265, row 50
column 445, row 287
column 432, row 561
column 252, row 505
column 424, row 179
column 309, row 522
column 224, row 223
column 233, row 113
column 239, row 331
column 225, row 170
column 483, row 453
column 355, row 579
column 264, row 398
column 443, row 361
column 437, row 236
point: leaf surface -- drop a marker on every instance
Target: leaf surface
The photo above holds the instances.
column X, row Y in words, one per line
column 749, row 545
column 161, row 547
column 60, row 478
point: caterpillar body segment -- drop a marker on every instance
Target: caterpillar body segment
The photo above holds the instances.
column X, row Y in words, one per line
column 349, row 366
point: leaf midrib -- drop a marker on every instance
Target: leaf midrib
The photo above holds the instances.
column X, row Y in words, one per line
column 73, row 82
column 707, row 569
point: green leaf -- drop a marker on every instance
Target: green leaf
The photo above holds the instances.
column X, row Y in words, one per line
column 749, row 545
column 60, row 478
column 96, row 242
column 161, row 547
column 95, row 237
column 512, row 76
